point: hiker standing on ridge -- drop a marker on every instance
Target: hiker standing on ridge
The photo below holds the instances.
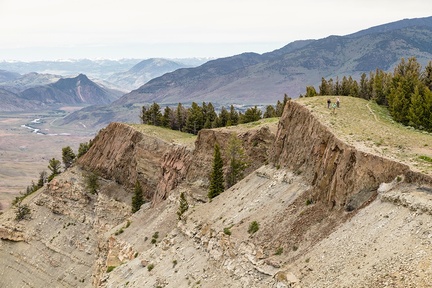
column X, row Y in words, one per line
column 337, row 102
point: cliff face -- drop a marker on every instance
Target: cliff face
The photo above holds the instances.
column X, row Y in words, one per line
column 340, row 174
column 121, row 153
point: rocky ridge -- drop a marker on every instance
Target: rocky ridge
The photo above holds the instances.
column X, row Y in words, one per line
column 326, row 213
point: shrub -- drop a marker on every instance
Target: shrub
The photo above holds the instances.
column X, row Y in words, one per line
column 150, row 267
column 155, row 237
column 253, row 227
column 91, row 181
column 279, row 251
column 118, row 232
column 227, row 231
column 426, row 158
column 110, row 268
column 183, row 206
column 23, row 212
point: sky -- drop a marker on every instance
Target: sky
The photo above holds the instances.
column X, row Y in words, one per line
column 33, row 30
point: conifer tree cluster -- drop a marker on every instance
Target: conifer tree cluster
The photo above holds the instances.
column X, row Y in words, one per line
column 237, row 163
column 406, row 92
column 196, row 117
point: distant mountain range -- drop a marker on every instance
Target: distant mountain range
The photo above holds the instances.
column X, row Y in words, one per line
column 16, row 83
column 77, row 91
column 100, row 69
column 104, row 69
column 251, row 78
column 143, row 72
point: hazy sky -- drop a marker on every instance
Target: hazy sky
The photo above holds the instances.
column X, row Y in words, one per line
column 63, row 29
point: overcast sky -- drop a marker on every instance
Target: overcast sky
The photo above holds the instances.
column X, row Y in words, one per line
column 65, row 29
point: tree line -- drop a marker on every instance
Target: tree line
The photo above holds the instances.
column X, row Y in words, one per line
column 406, row 92
column 196, row 117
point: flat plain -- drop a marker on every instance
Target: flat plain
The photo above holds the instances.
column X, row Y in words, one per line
column 24, row 154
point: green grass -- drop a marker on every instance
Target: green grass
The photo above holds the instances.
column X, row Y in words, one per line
column 426, row 158
column 165, row 134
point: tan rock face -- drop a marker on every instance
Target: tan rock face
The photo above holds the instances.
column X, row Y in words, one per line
column 340, row 174
column 11, row 234
column 125, row 155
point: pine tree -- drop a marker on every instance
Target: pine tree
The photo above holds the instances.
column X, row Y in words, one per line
column 270, row 112
column 183, row 206
column 166, row 117
column 324, row 88
column 68, row 156
column 181, row 114
column 144, row 115
column 233, row 115
column 406, row 77
column 83, row 148
column 237, row 161
column 251, row 115
column 415, row 111
column 427, row 75
column 310, row 91
column 42, row 179
column 363, row 89
column 154, row 115
column 138, row 198
column 216, row 176
column 224, row 117
column 54, row 167
column 91, row 181
column 195, row 119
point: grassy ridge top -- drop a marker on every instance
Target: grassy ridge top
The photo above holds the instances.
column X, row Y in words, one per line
column 369, row 128
column 166, row 134
column 173, row 136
